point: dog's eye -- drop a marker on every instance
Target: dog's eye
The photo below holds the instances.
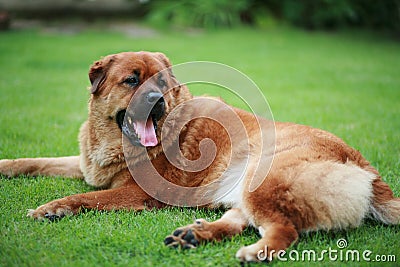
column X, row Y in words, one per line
column 161, row 82
column 132, row 81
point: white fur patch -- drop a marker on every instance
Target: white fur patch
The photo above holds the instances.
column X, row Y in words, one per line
column 261, row 231
column 339, row 194
column 230, row 192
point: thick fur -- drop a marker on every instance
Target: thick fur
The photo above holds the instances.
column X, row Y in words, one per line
column 316, row 180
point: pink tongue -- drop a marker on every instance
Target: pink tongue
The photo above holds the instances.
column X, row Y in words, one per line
column 145, row 130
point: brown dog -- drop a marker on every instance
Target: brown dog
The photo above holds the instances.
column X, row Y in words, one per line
column 315, row 181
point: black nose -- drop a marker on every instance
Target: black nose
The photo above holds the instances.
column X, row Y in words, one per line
column 154, row 97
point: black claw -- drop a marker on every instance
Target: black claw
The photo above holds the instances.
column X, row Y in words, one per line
column 177, row 232
column 168, row 240
column 191, row 239
column 189, row 236
column 52, row 217
column 194, row 242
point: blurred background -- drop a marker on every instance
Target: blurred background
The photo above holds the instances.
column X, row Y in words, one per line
column 309, row 14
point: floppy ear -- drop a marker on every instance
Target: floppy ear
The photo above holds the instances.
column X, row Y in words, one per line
column 97, row 73
column 163, row 59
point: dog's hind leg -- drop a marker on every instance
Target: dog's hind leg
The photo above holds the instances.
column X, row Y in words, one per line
column 276, row 237
column 233, row 222
column 62, row 166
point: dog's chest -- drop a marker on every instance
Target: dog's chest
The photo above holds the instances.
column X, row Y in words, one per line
column 230, row 192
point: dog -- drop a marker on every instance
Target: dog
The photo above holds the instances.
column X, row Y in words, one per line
column 312, row 179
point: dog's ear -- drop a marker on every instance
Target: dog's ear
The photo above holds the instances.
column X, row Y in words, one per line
column 96, row 76
column 98, row 73
column 163, row 59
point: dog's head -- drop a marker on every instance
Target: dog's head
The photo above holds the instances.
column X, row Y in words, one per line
column 141, row 80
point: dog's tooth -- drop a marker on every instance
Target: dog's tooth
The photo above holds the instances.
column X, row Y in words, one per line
column 130, row 120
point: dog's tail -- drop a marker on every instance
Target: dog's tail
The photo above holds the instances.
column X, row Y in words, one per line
column 385, row 207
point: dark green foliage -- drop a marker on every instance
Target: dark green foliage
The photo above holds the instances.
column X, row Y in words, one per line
column 206, row 14
column 309, row 14
column 317, row 14
column 331, row 14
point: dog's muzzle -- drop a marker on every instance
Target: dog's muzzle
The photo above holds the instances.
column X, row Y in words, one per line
column 139, row 122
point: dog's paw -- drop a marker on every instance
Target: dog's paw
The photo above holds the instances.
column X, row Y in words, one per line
column 252, row 253
column 189, row 236
column 182, row 238
column 51, row 211
column 6, row 168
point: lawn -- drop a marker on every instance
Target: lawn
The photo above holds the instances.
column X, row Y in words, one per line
column 347, row 83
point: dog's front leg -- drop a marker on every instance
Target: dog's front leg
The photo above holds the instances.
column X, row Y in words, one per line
column 232, row 223
column 62, row 166
column 130, row 197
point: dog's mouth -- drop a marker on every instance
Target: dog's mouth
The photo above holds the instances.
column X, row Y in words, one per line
column 141, row 131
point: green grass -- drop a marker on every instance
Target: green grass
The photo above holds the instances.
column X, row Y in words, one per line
column 346, row 83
